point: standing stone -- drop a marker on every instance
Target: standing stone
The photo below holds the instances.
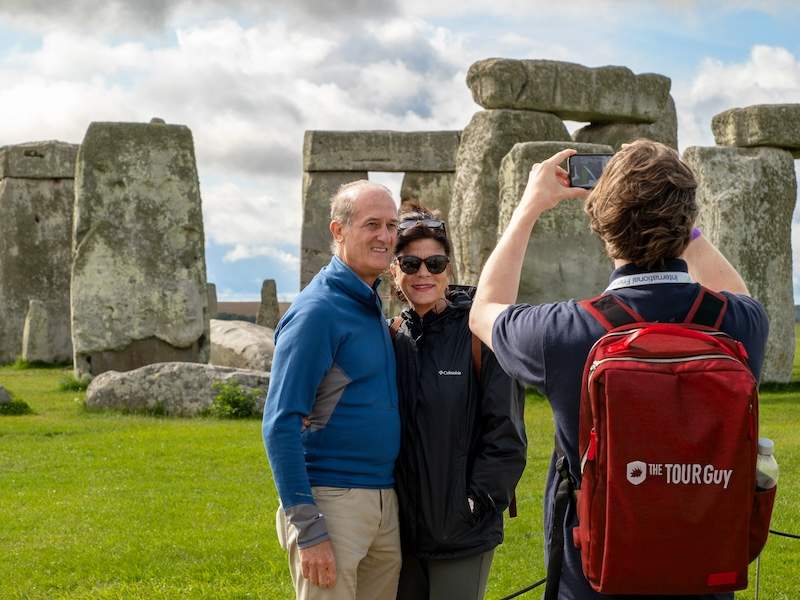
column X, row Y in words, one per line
column 431, row 190
column 380, row 150
column 212, row 300
column 315, row 238
column 759, row 125
column 564, row 259
column 489, row 136
column 138, row 276
column 268, row 311
column 5, row 397
column 746, row 198
column 36, row 201
column 571, row 91
column 665, row 130
column 36, row 345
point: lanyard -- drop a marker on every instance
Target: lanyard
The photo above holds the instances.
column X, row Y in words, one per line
column 649, row 279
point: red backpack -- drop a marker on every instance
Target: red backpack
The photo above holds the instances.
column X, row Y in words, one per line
column 668, row 440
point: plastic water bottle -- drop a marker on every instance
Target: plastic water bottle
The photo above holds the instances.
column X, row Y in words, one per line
column 766, row 465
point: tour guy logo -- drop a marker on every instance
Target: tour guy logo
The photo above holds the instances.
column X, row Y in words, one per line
column 637, row 472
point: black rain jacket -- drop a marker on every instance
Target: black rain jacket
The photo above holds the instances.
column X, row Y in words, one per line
column 461, row 435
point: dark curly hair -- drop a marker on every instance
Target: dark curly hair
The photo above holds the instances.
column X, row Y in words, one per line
column 644, row 206
column 419, row 232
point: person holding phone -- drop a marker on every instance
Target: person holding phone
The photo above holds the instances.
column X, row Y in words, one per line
column 463, row 444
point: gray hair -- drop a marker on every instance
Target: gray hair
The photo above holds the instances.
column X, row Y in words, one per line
column 343, row 202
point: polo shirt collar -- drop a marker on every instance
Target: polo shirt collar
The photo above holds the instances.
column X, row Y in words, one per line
column 673, row 264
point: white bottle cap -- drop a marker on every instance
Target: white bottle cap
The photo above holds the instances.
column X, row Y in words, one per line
column 766, row 446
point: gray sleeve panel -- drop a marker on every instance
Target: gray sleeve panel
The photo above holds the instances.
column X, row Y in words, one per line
column 309, row 522
column 329, row 392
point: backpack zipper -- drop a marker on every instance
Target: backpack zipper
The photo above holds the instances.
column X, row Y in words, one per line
column 597, row 363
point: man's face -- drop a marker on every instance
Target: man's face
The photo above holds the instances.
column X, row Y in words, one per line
column 366, row 243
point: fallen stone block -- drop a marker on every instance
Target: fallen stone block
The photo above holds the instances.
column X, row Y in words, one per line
column 571, row 91
column 564, row 259
column 746, row 198
column 664, row 130
column 775, row 125
column 174, row 389
column 138, row 288
column 380, row 150
column 489, row 136
column 242, row 345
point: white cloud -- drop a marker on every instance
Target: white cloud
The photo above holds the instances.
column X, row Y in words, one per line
column 769, row 75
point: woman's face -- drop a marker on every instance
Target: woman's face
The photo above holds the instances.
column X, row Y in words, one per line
column 422, row 289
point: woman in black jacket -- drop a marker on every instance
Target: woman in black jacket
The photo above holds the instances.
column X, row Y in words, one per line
column 463, row 442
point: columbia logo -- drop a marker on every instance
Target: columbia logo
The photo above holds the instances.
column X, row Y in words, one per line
column 449, row 372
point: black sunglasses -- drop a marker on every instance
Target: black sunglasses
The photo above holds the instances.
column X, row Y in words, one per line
column 411, row 264
column 414, row 221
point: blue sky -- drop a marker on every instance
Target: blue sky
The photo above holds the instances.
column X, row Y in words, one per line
column 249, row 80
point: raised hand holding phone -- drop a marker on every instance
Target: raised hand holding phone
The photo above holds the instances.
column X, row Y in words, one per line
column 548, row 184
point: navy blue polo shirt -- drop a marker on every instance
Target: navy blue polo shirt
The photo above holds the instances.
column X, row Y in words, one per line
column 546, row 345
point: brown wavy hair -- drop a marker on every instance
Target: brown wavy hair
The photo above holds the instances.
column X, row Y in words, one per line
column 644, row 206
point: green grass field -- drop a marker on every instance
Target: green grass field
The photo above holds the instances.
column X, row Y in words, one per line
column 100, row 505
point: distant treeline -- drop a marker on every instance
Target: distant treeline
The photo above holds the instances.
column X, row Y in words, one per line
column 224, row 316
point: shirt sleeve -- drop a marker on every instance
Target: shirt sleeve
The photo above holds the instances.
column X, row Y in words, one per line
column 747, row 321
column 305, row 346
column 518, row 338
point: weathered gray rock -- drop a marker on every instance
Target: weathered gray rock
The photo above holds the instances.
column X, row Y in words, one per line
column 489, row 136
column 569, row 90
column 36, row 334
column 665, row 130
column 212, row 300
column 241, row 344
column 432, row 190
column 5, row 397
column 565, row 259
column 746, row 198
column 759, row 125
column 174, row 388
column 380, row 150
column 35, row 257
column 268, row 311
column 315, row 237
column 39, row 160
column 138, row 276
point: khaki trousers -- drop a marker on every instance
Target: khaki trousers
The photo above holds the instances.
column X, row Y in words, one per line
column 365, row 533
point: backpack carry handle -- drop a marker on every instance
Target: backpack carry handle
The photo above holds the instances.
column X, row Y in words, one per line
column 669, row 329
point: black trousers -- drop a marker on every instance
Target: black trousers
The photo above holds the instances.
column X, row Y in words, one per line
column 444, row 579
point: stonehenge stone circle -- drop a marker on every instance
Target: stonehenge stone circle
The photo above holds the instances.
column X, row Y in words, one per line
column 138, row 283
column 268, row 311
column 242, row 345
column 489, row 136
column 315, row 237
column 212, row 300
column 380, row 150
column 36, row 203
column 179, row 389
column 571, row 91
column 564, row 259
column 36, row 346
column 664, row 130
column 746, row 198
column 775, row 125
column 431, row 190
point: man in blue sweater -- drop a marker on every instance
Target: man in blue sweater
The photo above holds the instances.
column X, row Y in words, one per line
column 331, row 424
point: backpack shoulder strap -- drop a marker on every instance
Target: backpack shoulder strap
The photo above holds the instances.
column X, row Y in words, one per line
column 394, row 326
column 708, row 309
column 610, row 311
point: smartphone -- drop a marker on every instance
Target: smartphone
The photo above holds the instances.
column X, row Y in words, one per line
column 586, row 169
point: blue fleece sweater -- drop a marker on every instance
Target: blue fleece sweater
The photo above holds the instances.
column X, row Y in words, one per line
column 333, row 363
